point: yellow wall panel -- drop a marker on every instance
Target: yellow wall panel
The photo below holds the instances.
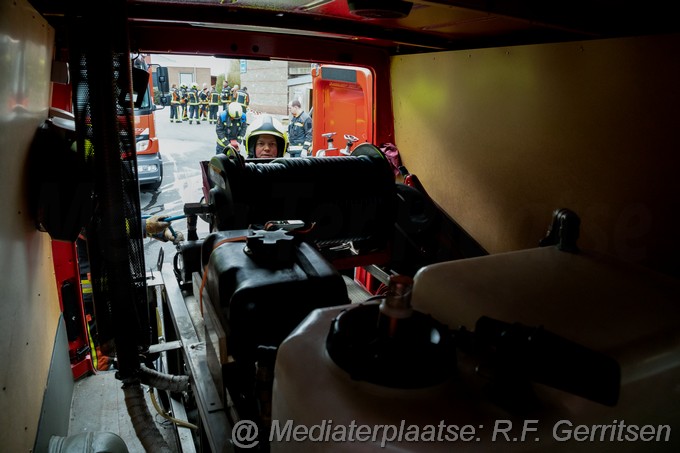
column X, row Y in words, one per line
column 501, row 137
column 29, row 304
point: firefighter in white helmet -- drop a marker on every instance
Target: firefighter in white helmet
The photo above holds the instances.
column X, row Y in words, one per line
column 230, row 129
column 266, row 137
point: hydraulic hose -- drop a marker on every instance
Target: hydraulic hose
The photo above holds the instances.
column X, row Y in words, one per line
column 169, row 382
column 145, row 426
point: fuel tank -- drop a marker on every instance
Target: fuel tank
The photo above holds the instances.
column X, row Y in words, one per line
column 263, row 283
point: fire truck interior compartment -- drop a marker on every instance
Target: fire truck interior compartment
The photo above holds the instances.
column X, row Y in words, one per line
column 343, row 287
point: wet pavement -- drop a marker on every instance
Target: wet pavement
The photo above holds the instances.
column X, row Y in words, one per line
column 182, row 147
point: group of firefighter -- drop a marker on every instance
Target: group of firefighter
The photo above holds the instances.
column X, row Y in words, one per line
column 191, row 104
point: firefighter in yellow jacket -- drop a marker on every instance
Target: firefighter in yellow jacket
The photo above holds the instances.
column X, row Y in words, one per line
column 174, row 104
column 183, row 100
column 225, row 95
column 214, row 105
column 193, row 101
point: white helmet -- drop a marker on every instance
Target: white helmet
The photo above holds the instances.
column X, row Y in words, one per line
column 235, row 110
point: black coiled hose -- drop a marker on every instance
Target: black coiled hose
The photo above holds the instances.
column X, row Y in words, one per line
column 347, row 198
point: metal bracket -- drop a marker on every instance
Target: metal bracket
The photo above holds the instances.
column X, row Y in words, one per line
column 563, row 232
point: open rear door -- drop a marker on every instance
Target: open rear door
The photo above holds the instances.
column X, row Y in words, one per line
column 343, row 104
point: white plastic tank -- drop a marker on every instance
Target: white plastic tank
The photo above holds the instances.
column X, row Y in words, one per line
column 626, row 313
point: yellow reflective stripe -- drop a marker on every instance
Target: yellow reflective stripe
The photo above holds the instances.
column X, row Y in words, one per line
column 93, row 350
